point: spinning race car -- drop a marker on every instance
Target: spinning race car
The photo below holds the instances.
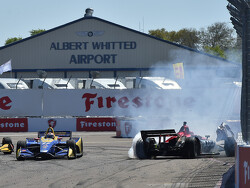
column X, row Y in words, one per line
column 169, row 143
column 49, row 144
column 225, row 133
column 7, row 146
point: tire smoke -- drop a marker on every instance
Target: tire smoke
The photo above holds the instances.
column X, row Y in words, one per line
column 132, row 150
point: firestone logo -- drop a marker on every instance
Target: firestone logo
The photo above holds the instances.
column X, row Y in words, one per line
column 123, row 102
column 14, row 125
column 128, row 127
column 97, row 124
column 93, row 99
column 246, row 171
column 4, row 101
column 52, row 123
column 11, row 125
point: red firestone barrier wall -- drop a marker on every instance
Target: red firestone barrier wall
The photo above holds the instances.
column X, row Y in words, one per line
column 59, row 124
column 242, row 166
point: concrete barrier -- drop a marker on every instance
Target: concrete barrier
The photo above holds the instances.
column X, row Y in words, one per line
column 59, row 124
column 242, row 167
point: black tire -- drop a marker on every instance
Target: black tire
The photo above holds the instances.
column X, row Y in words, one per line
column 191, row 148
column 229, row 147
column 71, row 144
column 6, row 140
column 140, row 150
column 20, row 144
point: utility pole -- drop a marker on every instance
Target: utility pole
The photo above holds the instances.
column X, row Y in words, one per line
column 240, row 17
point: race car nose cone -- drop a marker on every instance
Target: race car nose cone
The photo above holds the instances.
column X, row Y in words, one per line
column 45, row 147
column 44, row 151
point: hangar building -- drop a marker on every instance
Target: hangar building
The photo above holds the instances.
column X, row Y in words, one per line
column 88, row 44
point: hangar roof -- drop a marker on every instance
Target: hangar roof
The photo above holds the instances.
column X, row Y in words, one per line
column 117, row 25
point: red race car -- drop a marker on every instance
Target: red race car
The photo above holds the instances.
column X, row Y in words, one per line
column 169, row 143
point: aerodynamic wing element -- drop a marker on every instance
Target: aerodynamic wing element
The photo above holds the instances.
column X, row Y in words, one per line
column 57, row 133
column 158, row 133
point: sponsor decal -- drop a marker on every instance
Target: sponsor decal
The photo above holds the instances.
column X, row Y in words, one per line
column 128, row 127
column 96, row 124
column 93, row 100
column 246, row 172
column 14, row 125
column 4, row 103
column 244, row 167
column 52, row 123
column 44, row 145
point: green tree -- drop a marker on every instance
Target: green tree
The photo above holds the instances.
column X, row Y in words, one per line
column 185, row 37
column 32, row 33
column 217, row 39
column 235, row 53
column 218, row 34
column 216, row 51
column 36, row 31
column 159, row 33
column 11, row 40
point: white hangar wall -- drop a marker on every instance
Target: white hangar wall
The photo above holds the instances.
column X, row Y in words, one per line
column 90, row 44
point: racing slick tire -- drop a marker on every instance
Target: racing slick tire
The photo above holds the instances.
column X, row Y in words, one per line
column 229, row 147
column 20, row 144
column 71, row 144
column 140, row 150
column 191, row 149
column 7, row 140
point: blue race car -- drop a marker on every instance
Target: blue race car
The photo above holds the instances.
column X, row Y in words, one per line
column 49, row 144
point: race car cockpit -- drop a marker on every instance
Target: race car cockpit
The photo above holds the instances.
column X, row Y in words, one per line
column 184, row 130
column 50, row 133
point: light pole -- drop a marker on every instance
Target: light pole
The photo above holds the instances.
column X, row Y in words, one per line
column 240, row 17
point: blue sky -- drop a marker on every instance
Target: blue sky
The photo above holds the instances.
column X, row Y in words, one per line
column 17, row 17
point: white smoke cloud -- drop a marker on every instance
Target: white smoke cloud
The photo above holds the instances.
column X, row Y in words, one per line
column 131, row 152
column 207, row 98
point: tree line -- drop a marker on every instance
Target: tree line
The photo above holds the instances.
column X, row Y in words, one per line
column 217, row 39
column 32, row 33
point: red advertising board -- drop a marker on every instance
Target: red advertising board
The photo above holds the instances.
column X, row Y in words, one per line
column 14, row 125
column 244, row 167
column 96, row 124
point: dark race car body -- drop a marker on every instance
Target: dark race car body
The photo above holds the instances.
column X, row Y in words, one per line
column 50, row 147
column 225, row 133
column 169, row 143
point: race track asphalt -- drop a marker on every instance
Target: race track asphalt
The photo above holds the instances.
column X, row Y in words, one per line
column 105, row 163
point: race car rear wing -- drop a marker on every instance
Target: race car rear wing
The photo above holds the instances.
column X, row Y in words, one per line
column 158, row 133
column 57, row 133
